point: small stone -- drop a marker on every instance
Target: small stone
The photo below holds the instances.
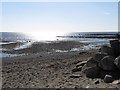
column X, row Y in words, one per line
column 116, row 82
column 81, row 63
column 117, row 62
column 75, row 76
column 107, row 63
column 108, row 79
column 76, row 69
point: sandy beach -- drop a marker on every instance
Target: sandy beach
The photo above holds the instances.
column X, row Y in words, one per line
column 43, row 67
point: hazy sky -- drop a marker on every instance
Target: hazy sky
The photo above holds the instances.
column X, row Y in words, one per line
column 59, row 16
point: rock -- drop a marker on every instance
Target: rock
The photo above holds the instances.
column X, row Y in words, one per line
column 108, row 79
column 91, row 62
column 92, row 72
column 76, row 69
column 116, row 82
column 75, row 76
column 99, row 56
column 106, row 49
column 81, row 63
column 115, row 73
column 87, row 86
column 115, row 46
column 107, row 63
column 117, row 62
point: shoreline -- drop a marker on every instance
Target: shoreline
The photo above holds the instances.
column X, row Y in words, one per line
column 47, row 46
column 44, row 69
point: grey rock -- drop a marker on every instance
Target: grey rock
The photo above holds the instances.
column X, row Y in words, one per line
column 106, row 49
column 115, row 47
column 91, row 62
column 115, row 73
column 92, row 72
column 117, row 62
column 107, row 63
column 116, row 82
column 99, row 56
column 108, row 79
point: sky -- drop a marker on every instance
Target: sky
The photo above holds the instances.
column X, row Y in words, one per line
column 54, row 17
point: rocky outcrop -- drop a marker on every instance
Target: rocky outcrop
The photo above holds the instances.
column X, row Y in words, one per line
column 105, row 64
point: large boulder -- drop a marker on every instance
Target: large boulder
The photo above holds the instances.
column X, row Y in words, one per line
column 92, row 72
column 107, row 50
column 115, row 47
column 117, row 62
column 107, row 63
column 91, row 68
column 91, row 62
column 99, row 56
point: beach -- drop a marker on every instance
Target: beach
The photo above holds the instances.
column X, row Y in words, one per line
column 49, row 65
column 60, row 45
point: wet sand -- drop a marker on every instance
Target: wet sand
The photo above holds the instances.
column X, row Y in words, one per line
column 44, row 68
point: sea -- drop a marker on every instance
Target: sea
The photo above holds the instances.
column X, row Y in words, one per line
column 92, row 38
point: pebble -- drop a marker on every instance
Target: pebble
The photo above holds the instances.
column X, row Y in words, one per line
column 75, row 76
column 116, row 82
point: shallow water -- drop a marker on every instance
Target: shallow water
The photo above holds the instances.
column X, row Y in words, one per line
column 10, row 55
column 2, row 43
column 7, row 55
column 27, row 42
column 82, row 48
column 25, row 45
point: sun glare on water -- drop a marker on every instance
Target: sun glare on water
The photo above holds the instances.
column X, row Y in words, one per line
column 43, row 36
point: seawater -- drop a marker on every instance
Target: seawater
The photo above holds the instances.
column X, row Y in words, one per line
column 90, row 40
column 27, row 40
